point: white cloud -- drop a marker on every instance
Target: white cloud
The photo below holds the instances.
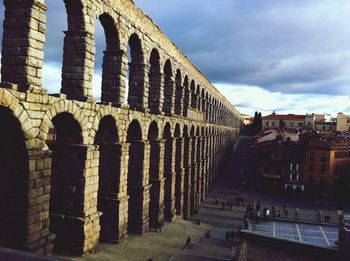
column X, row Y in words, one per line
column 249, row 99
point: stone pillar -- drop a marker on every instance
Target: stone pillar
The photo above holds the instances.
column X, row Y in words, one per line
column 169, row 95
column 78, row 65
column 194, row 201
column 187, row 178
column 179, row 98
column 204, row 169
column 157, row 181
column 113, row 83
column 169, row 174
column 139, row 192
column 114, row 205
column 179, row 183
column 39, row 239
column 138, row 86
column 199, row 171
column 74, row 218
column 23, row 44
column 156, row 93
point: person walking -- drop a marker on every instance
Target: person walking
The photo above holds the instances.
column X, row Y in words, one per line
column 296, row 214
column 188, row 242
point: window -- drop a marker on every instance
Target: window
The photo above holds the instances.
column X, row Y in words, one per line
column 291, row 124
column 273, row 123
column 300, row 124
column 276, row 155
column 311, row 179
column 311, row 168
column 323, row 156
column 312, row 156
column 309, row 123
column 322, row 181
column 266, row 170
column 323, row 169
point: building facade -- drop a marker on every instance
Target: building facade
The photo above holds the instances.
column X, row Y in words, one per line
column 288, row 121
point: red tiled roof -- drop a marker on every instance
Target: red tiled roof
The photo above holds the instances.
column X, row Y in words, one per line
column 284, row 117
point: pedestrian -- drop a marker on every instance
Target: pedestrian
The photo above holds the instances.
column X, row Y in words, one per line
column 208, row 234
column 318, row 215
column 216, row 200
column 188, row 242
column 273, row 211
column 227, row 235
column 286, row 213
column 296, row 214
column 158, row 226
column 223, row 205
column 231, row 204
column 232, row 235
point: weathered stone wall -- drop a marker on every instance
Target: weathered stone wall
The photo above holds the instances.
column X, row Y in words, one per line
column 99, row 171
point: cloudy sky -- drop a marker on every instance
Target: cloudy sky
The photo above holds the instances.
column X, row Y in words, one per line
column 291, row 56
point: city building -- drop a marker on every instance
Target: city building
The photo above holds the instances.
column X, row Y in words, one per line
column 279, row 166
column 326, row 165
column 288, row 121
column 343, row 122
column 247, row 120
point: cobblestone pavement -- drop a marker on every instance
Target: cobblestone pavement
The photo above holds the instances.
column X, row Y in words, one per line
column 159, row 246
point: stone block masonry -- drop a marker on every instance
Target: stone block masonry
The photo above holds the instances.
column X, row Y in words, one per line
column 75, row 172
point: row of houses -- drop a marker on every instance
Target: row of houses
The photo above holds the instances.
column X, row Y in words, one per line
column 316, row 163
column 320, row 122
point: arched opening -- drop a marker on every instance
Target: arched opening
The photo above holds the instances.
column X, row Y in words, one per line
column 168, row 88
column 193, row 95
column 193, row 207
column 78, row 43
column 14, row 181
column 168, row 174
column 199, row 98
column 52, row 67
column 67, row 182
column 203, row 166
column 203, row 100
column 187, row 176
column 186, row 97
column 109, row 177
column 156, row 213
column 136, row 74
column 178, row 93
column 135, row 177
column 179, row 178
column 156, row 95
column 106, row 82
column 199, row 168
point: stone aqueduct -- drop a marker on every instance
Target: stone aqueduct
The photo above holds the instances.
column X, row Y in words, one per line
column 75, row 172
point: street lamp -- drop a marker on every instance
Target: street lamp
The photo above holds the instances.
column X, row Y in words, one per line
column 340, row 213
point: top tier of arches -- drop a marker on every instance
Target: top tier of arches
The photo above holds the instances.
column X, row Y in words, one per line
column 141, row 67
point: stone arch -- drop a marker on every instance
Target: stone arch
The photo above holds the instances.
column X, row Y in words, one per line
column 135, row 177
column 14, row 181
column 7, row 99
column 179, row 93
column 156, row 84
column 179, row 178
column 156, row 212
column 109, row 175
column 67, row 186
column 187, row 174
column 112, row 62
column 169, row 209
column 169, row 88
column 203, row 100
column 137, row 98
column 61, row 107
column 193, row 95
column 78, row 42
column 186, row 103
